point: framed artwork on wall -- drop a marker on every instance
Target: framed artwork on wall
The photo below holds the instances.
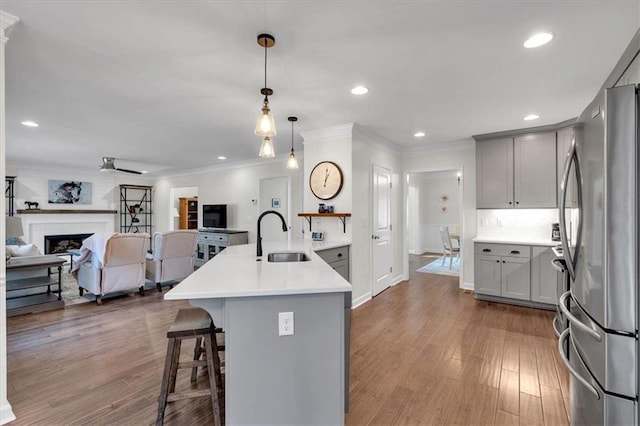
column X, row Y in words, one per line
column 275, row 203
column 69, row 192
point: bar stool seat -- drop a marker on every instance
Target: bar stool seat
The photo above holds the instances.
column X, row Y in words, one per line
column 193, row 323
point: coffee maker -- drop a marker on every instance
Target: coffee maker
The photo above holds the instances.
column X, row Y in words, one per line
column 555, row 232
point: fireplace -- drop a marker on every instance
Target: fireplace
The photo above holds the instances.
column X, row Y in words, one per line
column 59, row 244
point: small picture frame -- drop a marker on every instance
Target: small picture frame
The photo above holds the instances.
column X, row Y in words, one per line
column 275, row 203
column 317, row 236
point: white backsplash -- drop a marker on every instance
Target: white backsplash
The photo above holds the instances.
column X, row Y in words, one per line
column 516, row 223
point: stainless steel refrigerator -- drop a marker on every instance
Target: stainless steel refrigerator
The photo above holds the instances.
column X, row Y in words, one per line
column 599, row 214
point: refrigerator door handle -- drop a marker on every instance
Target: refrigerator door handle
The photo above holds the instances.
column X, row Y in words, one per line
column 572, row 158
column 563, row 337
column 562, row 303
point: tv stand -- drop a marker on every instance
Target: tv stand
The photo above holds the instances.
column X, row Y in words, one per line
column 212, row 241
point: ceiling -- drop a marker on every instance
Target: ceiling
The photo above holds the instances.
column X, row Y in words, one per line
column 169, row 86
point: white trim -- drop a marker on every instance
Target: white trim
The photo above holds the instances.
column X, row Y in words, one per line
column 7, row 20
column 373, row 139
column 397, row 280
column 467, row 286
column 437, row 148
column 361, row 300
column 328, row 133
column 6, row 413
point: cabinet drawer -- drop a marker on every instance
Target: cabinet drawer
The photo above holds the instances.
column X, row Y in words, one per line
column 513, row 250
column 220, row 238
column 332, row 255
column 205, row 237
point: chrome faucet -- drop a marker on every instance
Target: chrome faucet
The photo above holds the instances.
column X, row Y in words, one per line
column 259, row 241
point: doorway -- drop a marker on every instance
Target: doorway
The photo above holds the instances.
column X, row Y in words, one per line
column 381, row 251
column 434, row 203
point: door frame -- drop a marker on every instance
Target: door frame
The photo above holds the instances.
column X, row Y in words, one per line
column 463, row 224
column 371, row 226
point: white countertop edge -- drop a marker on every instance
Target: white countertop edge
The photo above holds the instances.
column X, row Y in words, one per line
column 191, row 288
column 529, row 242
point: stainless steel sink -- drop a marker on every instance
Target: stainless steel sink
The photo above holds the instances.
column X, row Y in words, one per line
column 288, row 257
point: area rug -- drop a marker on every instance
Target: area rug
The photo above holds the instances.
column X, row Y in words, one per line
column 71, row 295
column 436, row 267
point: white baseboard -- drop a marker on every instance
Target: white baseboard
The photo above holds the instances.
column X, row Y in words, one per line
column 413, row 252
column 360, row 300
column 467, row 286
column 397, row 280
column 6, row 414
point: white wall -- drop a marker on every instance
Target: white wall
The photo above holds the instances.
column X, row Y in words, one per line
column 369, row 149
column 238, row 187
column 271, row 226
column 330, row 144
column 460, row 155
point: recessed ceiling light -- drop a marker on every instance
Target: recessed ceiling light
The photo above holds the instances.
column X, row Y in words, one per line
column 222, row 157
column 29, row 123
column 532, row 117
column 419, row 134
column 538, row 40
column 359, row 90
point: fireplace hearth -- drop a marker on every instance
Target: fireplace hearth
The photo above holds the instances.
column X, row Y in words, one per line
column 59, row 244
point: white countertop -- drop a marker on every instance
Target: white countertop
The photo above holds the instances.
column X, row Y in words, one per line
column 235, row 272
column 517, row 240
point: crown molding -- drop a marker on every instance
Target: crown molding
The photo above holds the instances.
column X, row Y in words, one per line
column 328, row 133
column 282, row 159
column 538, row 129
column 373, row 139
column 440, row 147
column 6, row 21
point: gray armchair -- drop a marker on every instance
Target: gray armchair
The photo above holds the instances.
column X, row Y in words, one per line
column 173, row 256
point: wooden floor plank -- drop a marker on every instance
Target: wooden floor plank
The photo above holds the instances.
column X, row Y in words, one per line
column 422, row 352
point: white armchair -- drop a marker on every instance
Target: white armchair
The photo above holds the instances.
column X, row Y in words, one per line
column 112, row 263
column 173, row 256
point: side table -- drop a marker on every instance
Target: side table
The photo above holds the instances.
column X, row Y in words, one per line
column 33, row 272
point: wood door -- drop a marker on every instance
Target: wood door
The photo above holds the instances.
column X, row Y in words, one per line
column 494, row 174
column 535, row 182
column 487, row 275
column 516, row 278
column 381, row 229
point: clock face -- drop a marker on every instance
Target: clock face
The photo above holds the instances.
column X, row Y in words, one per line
column 325, row 180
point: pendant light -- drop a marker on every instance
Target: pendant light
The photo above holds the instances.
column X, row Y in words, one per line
column 292, row 163
column 266, row 149
column 265, row 126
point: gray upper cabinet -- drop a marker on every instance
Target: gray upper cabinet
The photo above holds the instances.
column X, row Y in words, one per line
column 517, row 172
column 494, row 168
column 535, row 170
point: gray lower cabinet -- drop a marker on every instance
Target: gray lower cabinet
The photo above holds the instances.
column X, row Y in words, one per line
column 518, row 273
column 544, row 278
column 211, row 242
column 338, row 259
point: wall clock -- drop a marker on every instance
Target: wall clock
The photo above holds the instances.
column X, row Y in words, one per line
column 325, row 180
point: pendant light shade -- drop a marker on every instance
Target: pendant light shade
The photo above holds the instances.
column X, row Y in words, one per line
column 292, row 163
column 265, row 126
column 266, row 149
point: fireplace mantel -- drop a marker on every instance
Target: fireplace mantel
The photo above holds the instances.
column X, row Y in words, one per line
column 65, row 211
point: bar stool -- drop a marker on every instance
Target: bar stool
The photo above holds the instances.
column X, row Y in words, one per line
column 193, row 323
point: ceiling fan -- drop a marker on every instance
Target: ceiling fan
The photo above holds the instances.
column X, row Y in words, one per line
column 109, row 165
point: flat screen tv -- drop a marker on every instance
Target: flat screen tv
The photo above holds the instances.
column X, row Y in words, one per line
column 214, row 215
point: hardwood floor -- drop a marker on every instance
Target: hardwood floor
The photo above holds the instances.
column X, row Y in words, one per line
column 422, row 352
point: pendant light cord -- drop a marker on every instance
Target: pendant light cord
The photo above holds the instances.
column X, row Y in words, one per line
column 266, row 98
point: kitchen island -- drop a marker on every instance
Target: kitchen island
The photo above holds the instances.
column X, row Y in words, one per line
column 274, row 379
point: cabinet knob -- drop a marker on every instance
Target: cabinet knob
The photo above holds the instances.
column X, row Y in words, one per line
column 517, row 202
column 486, row 250
column 504, row 261
column 339, row 254
column 497, row 261
column 515, row 252
column 510, row 203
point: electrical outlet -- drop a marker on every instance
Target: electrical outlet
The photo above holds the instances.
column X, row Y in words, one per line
column 285, row 323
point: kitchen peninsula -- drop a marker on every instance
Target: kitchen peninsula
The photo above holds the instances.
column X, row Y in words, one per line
column 272, row 378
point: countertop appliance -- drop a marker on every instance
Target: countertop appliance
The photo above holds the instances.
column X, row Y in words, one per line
column 555, row 232
column 600, row 347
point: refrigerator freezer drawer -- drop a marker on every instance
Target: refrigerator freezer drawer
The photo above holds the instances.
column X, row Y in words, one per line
column 612, row 360
column 587, row 409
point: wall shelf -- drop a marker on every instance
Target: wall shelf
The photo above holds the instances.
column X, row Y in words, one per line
column 66, row 211
column 341, row 216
